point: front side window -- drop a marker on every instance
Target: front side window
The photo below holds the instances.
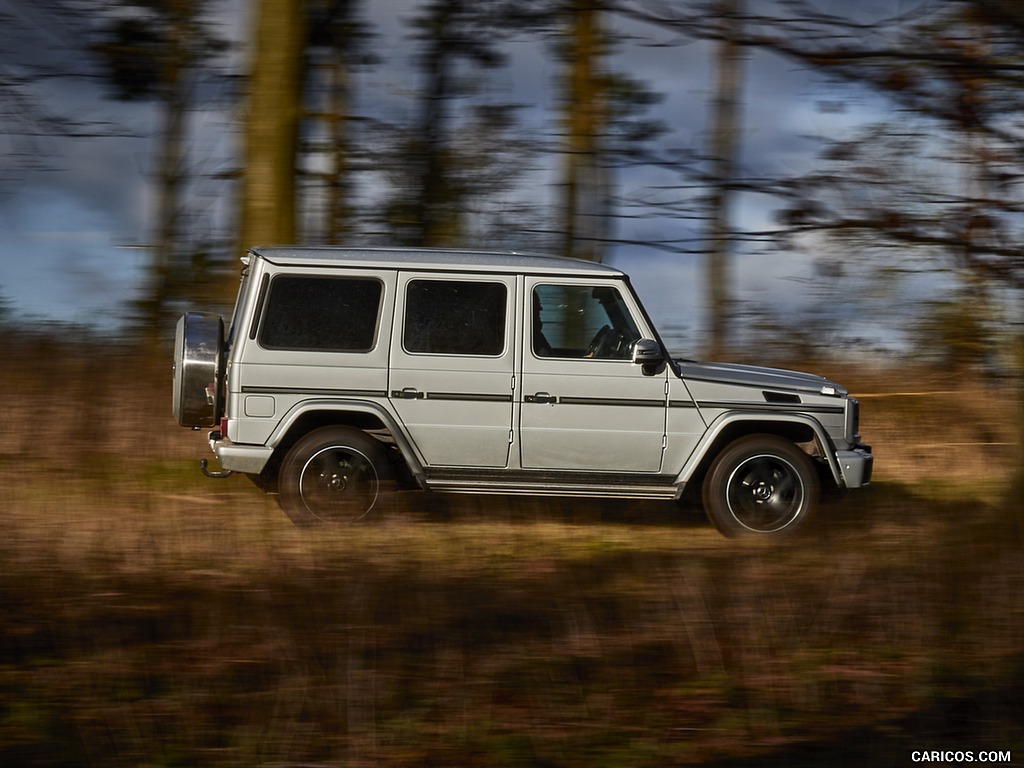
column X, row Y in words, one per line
column 326, row 314
column 455, row 317
column 582, row 321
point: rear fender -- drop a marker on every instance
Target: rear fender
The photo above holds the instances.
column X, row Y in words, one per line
column 311, row 414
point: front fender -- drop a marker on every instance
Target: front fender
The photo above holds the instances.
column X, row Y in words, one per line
column 734, row 424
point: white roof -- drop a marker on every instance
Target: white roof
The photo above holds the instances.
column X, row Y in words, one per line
column 434, row 259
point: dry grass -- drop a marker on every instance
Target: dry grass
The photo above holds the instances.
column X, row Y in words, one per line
column 152, row 617
column 939, row 427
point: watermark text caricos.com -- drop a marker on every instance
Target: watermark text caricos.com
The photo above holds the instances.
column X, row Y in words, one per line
column 1002, row 757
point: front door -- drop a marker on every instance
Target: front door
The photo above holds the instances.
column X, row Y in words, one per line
column 451, row 367
column 585, row 405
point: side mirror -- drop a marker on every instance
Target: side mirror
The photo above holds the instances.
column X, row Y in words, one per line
column 647, row 352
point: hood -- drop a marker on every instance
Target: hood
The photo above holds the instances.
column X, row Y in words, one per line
column 757, row 376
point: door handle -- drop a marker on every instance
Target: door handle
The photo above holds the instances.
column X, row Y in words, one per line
column 541, row 397
column 409, row 393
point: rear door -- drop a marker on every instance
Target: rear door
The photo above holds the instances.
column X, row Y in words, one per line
column 451, row 367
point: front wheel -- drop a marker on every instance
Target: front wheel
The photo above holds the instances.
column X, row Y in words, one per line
column 334, row 475
column 761, row 484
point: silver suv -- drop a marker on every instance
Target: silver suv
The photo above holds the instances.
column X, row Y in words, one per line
column 345, row 373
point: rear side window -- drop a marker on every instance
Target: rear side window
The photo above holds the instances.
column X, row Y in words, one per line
column 327, row 314
column 455, row 317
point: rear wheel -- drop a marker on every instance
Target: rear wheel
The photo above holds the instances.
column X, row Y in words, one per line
column 334, row 475
column 761, row 484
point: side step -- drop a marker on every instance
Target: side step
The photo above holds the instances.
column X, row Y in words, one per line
column 622, row 487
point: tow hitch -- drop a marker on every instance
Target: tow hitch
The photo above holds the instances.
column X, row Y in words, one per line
column 204, row 465
column 216, row 474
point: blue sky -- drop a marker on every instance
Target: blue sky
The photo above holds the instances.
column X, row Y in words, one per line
column 70, row 236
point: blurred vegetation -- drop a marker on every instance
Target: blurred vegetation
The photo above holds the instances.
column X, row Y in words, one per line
column 346, row 140
column 153, row 617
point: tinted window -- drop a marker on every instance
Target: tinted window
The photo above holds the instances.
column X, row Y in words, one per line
column 321, row 313
column 454, row 317
column 582, row 321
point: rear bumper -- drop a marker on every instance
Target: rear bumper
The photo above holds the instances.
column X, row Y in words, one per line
column 856, row 466
column 247, row 459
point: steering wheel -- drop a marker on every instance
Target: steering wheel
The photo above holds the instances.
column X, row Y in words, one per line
column 602, row 342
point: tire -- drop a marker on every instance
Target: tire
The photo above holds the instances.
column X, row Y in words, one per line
column 198, row 370
column 761, row 485
column 334, row 475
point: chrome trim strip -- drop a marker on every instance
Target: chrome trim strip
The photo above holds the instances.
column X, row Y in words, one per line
column 313, row 391
column 480, row 397
column 755, row 406
column 613, row 401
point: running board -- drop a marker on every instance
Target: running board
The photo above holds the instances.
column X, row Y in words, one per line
column 628, row 491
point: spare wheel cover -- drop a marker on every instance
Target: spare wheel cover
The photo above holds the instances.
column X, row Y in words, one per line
column 198, row 348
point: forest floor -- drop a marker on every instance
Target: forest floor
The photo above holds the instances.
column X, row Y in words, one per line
column 152, row 617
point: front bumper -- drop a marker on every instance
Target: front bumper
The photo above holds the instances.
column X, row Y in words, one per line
column 856, row 465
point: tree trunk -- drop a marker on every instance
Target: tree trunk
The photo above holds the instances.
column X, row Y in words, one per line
column 438, row 220
column 586, row 182
column 268, row 214
column 174, row 101
column 338, row 204
column 724, row 141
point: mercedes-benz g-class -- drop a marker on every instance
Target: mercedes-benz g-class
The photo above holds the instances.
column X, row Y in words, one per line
column 345, row 372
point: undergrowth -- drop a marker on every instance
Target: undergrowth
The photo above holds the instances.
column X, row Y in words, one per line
column 152, row 617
